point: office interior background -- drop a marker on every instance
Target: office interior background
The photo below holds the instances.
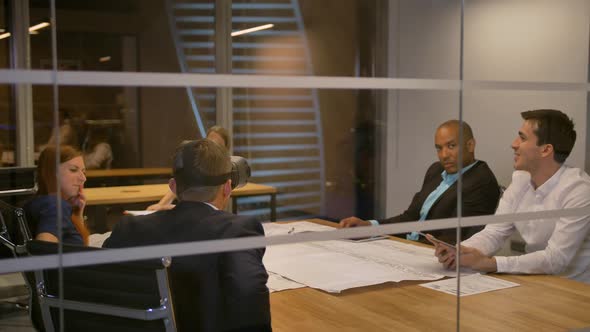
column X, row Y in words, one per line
column 330, row 152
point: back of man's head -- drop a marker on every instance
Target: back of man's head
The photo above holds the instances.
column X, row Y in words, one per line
column 553, row 127
column 200, row 168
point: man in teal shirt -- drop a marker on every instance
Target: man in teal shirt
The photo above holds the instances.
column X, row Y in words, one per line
column 437, row 198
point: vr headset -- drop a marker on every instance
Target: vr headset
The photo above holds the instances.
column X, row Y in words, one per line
column 188, row 177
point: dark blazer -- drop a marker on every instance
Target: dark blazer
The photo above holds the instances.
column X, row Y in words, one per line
column 213, row 292
column 480, row 196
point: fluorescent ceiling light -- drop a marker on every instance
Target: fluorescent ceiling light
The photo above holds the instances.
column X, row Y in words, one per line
column 38, row 26
column 104, row 58
column 245, row 31
column 32, row 30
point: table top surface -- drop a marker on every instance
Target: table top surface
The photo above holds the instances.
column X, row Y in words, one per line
column 541, row 302
column 154, row 192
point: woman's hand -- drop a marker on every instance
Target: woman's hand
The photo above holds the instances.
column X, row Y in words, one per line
column 78, row 203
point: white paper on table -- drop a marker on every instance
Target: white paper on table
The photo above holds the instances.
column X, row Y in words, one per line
column 470, row 285
column 138, row 212
column 273, row 229
column 96, row 240
column 277, row 283
column 419, row 258
column 334, row 266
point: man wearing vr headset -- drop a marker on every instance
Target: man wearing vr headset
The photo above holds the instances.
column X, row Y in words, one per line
column 211, row 292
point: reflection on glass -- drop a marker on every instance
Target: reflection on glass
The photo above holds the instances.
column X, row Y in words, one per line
column 100, row 122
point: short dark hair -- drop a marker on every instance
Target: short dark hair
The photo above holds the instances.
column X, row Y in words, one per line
column 205, row 158
column 467, row 132
column 219, row 130
column 553, row 127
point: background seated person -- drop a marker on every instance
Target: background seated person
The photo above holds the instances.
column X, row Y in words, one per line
column 98, row 153
column 218, row 135
column 541, row 182
column 211, row 292
column 42, row 210
column 438, row 197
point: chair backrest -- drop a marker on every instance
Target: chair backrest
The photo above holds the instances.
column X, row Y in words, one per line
column 8, row 247
column 130, row 296
column 14, row 230
column 18, row 181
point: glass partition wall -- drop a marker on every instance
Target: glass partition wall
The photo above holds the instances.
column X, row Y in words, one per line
column 402, row 115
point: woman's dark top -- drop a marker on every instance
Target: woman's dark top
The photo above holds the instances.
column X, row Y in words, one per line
column 41, row 214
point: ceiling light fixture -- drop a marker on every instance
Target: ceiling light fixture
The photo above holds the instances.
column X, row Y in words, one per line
column 5, row 35
column 38, row 26
column 104, row 58
column 245, row 31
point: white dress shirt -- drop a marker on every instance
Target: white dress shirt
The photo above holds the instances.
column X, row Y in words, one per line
column 553, row 246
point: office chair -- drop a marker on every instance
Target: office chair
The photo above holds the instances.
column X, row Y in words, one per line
column 130, row 296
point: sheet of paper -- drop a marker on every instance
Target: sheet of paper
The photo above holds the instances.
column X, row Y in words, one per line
column 334, row 266
column 277, row 283
column 273, row 229
column 138, row 212
column 96, row 240
column 470, row 285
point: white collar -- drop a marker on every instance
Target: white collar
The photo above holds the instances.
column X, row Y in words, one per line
column 211, row 205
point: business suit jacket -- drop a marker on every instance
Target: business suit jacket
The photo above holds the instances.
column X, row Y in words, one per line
column 213, row 292
column 480, row 196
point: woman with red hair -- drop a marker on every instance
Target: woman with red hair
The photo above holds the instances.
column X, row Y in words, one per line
column 42, row 211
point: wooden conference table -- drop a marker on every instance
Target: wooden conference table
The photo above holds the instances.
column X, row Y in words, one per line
column 540, row 303
column 154, row 192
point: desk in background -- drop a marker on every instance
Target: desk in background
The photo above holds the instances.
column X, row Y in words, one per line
column 154, row 192
column 540, row 303
column 123, row 176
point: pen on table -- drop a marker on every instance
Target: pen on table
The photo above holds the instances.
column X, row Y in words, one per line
column 430, row 237
column 291, row 230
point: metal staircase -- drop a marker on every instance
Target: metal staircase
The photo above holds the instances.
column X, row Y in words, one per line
column 278, row 130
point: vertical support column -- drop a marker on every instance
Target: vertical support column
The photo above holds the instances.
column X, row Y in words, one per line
column 381, row 104
column 223, row 64
column 22, row 93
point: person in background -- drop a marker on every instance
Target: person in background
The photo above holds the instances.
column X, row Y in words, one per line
column 98, row 153
column 221, row 291
column 438, row 197
column 42, row 210
column 541, row 182
column 218, row 135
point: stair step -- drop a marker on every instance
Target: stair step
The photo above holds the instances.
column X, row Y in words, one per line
column 273, row 122
column 285, row 172
column 249, row 6
column 278, row 160
column 282, row 147
column 195, row 32
column 274, row 135
column 248, row 45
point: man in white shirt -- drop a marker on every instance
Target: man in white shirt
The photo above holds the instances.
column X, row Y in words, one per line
column 541, row 182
